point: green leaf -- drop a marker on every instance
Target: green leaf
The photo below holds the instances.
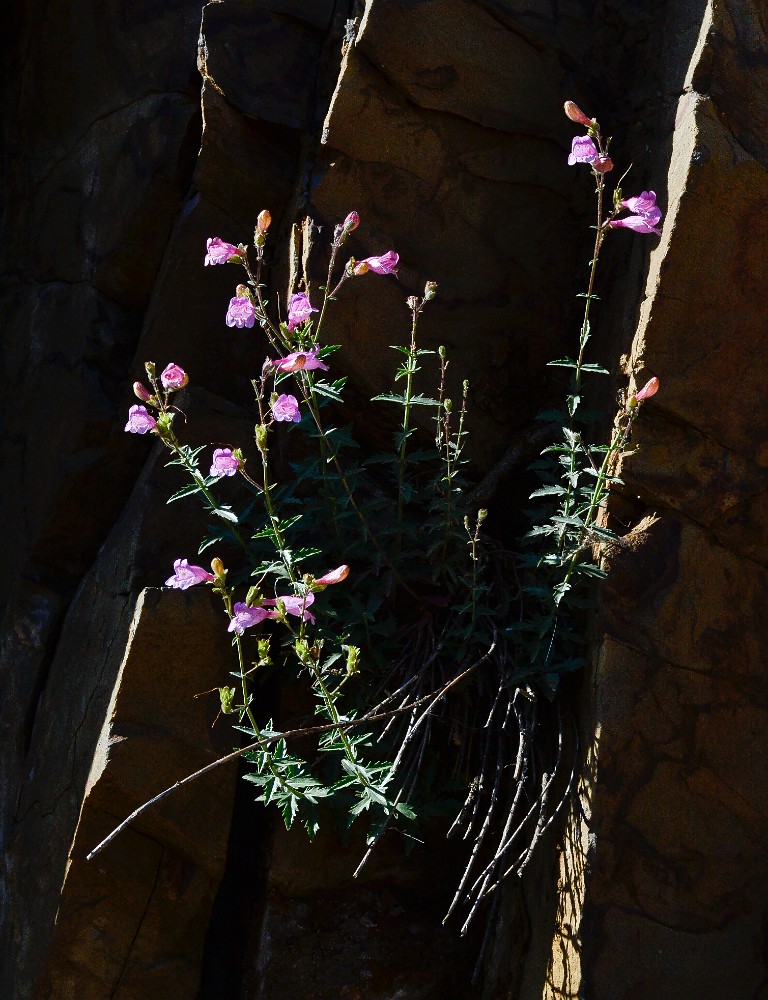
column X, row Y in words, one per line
column 562, row 363
column 545, row 491
column 389, row 397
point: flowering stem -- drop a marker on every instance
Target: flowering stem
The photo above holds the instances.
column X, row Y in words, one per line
column 273, row 332
column 410, row 369
column 335, row 247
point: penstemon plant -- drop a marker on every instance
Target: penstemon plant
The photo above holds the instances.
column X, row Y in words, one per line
column 370, row 580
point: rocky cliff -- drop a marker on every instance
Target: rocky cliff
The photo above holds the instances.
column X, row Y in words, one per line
column 134, row 131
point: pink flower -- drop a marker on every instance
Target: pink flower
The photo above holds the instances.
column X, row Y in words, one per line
column 647, row 214
column 583, row 150
column 650, row 388
column 219, row 252
column 241, row 312
column 185, row 576
column 140, row 420
column 286, row 407
column 295, row 605
column 386, row 264
column 224, row 463
column 574, row 112
column 245, row 617
column 334, row 576
column 307, row 360
column 141, row 391
column 299, row 309
column 174, row 377
column 351, row 222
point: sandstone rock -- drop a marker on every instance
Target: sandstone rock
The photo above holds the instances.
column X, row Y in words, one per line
column 673, row 798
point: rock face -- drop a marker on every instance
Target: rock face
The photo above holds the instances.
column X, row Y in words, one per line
column 439, row 122
column 676, row 784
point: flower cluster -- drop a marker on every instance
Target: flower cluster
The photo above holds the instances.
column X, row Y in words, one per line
column 247, row 615
column 646, row 215
column 172, row 378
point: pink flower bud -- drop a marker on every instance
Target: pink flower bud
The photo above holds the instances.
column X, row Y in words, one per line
column 263, row 222
column 217, row 567
column 351, row 222
column 333, row 576
column 650, row 388
column 574, row 112
column 141, row 392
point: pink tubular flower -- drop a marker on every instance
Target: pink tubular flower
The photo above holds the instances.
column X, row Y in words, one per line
column 386, row 264
column 646, row 217
column 295, row 605
column 307, row 360
column 286, row 407
column 574, row 112
column 650, row 388
column 334, row 576
column 224, row 463
column 246, row 617
column 219, row 252
column 583, row 150
column 299, row 310
column 186, row 576
column 241, row 312
column 141, row 391
column 140, row 420
column 174, row 377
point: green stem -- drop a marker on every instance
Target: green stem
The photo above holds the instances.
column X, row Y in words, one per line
column 410, row 368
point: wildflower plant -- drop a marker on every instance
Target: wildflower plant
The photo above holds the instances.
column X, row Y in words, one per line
column 368, row 580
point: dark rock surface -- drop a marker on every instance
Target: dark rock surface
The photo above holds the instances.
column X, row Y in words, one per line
column 439, row 122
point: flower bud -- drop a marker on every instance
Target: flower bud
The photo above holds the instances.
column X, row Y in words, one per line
column 261, row 438
column 141, row 392
column 227, row 698
column 442, row 352
column 430, row 291
column 650, row 388
column 217, row 568
column 263, row 221
column 481, row 515
column 574, row 112
column 150, row 369
column 253, row 597
column 448, row 404
column 351, row 222
column 263, row 650
column 353, row 658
